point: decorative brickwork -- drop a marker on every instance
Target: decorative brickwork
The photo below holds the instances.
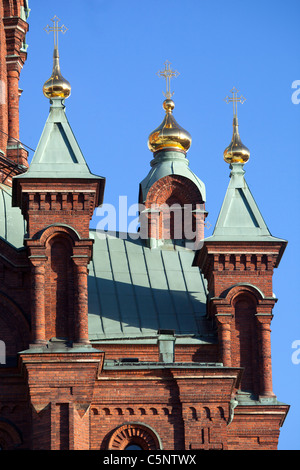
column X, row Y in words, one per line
column 171, row 209
column 65, row 386
column 240, row 279
column 71, row 203
column 133, row 434
column 13, row 29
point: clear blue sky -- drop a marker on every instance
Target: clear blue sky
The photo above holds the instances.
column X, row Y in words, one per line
column 111, row 54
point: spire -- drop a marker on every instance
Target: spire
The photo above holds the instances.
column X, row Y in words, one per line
column 56, row 86
column 169, row 144
column 58, row 154
column 169, row 135
column 236, row 150
column 240, row 218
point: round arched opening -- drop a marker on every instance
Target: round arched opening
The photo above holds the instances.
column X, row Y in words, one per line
column 134, row 436
column 133, row 446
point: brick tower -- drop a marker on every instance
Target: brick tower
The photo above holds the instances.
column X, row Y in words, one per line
column 238, row 261
column 172, row 197
column 13, row 28
column 57, row 197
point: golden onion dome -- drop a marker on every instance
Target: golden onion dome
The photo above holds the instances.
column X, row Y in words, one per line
column 236, row 152
column 169, row 135
column 57, row 86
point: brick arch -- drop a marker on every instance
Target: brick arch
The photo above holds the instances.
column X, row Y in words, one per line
column 206, row 413
column 58, row 241
column 59, row 281
column 14, row 328
column 134, row 433
column 58, row 229
column 175, row 189
column 10, row 436
column 248, row 290
column 174, row 197
column 243, row 301
column 193, row 413
column 244, row 337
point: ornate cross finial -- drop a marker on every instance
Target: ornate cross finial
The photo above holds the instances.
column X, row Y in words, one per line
column 168, row 73
column 55, row 29
column 235, row 99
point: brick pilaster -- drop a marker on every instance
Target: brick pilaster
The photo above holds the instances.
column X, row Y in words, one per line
column 224, row 334
column 266, row 387
column 38, row 326
column 81, row 303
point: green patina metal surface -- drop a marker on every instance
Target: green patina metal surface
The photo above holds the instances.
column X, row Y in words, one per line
column 12, row 224
column 134, row 291
column 170, row 163
column 239, row 218
column 58, row 154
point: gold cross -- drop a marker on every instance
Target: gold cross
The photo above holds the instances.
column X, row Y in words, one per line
column 55, row 29
column 168, row 73
column 235, row 99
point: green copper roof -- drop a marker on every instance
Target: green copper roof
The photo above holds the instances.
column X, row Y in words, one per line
column 240, row 218
column 170, row 163
column 58, row 154
column 12, row 224
column 133, row 291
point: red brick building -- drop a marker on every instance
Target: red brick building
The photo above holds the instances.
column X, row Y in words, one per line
column 157, row 341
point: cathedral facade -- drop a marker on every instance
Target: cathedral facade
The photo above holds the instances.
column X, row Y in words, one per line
column 159, row 341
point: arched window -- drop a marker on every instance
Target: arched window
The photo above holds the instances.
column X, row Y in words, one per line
column 133, row 447
column 59, row 274
column 10, row 436
column 175, row 203
column 14, row 328
column 134, row 436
